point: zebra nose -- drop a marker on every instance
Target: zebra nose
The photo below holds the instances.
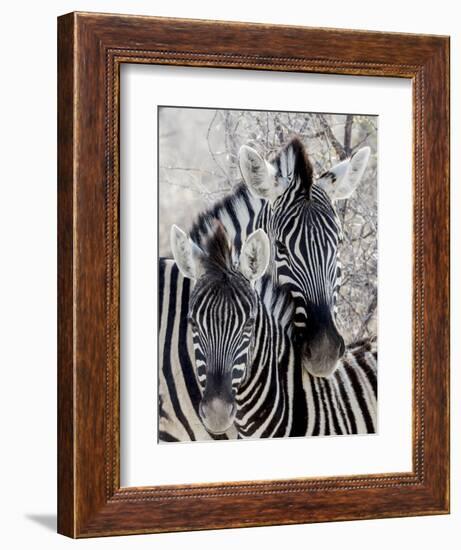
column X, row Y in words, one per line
column 217, row 414
column 321, row 356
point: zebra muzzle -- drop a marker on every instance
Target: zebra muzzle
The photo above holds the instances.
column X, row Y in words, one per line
column 217, row 414
column 321, row 356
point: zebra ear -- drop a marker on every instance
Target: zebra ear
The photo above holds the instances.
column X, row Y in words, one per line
column 255, row 255
column 341, row 180
column 257, row 173
column 187, row 254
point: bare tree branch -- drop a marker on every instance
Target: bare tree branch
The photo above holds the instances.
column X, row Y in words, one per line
column 348, row 135
column 339, row 149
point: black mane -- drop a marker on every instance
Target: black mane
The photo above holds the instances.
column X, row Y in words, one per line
column 204, row 222
column 218, row 250
column 302, row 169
column 220, row 270
column 302, row 172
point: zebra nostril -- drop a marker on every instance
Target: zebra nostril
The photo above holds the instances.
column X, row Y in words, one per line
column 201, row 411
column 342, row 348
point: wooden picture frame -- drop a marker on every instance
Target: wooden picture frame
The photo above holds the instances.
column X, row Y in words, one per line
column 92, row 48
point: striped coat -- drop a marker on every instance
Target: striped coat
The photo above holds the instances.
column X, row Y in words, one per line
column 345, row 403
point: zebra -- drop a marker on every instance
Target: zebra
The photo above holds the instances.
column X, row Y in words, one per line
column 302, row 222
column 298, row 214
column 261, row 201
column 245, row 359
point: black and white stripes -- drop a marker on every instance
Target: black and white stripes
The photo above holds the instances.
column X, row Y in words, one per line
column 272, row 396
column 224, row 371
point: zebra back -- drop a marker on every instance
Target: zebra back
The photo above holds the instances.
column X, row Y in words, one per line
column 346, row 402
column 240, row 213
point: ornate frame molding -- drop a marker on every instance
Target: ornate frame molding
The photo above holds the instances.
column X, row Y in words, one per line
column 91, row 49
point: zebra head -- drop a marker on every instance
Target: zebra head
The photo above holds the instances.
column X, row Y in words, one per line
column 222, row 313
column 305, row 232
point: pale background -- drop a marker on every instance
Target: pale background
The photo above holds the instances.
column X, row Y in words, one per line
column 28, row 281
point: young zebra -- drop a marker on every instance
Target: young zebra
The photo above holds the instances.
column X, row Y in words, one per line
column 246, row 364
column 299, row 216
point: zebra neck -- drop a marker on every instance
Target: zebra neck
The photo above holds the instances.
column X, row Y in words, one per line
column 272, row 336
column 264, row 399
column 239, row 213
column 265, row 340
column 275, row 303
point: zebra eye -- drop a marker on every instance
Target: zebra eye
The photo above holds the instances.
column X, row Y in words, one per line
column 250, row 323
column 281, row 247
column 192, row 323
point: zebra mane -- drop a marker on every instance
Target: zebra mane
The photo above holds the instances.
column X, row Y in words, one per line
column 218, row 263
column 218, row 256
column 229, row 206
column 219, row 266
column 292, row 162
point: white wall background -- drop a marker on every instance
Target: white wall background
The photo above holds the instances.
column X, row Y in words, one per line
column 28, row 271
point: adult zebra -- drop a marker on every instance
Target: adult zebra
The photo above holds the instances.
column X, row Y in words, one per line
column 245, row 359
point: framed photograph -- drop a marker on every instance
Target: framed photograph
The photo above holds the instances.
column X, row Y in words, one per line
column 253, row 277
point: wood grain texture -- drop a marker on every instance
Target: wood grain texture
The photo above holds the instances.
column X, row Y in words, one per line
column 66, row 108
column 91, row 49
